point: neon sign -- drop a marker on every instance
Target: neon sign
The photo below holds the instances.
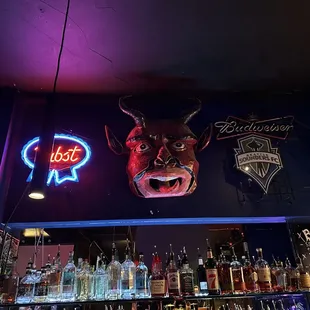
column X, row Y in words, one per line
column 69, row 154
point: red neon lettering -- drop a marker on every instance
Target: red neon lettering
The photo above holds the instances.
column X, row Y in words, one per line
column 70, row 156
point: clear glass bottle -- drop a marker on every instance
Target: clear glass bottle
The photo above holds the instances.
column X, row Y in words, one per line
column 201, row 275
column 249, row 272
column 281, row 277
column 113, row 276
column 10, row 285
column 225, row 274
column 41, row 286
column 142, row 279
column 212, row 273
column 26, row 286
column 173, row 275
column 186, row 276
column 48, row 265
column 78, row 271
column 68, row 280
column 263, row 272
column 295, row 278
column 54, row 278
column 237, row 274
column 100, row 279
column 128, row 276
column 91, row 287
column 83, row 280
column 158, row 281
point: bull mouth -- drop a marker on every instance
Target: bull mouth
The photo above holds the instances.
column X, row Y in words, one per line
column 165, row 184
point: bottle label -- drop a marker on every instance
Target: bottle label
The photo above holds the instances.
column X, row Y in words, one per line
column 209, row 254
column 25, row 290
column 203, row 286
column 200, row 261
column 264, row 275
column 40, row 289
column 305, row 280
column 173, row 281
column 141, row 281
column 212, row 279
column 158, row 287
column 187, row 283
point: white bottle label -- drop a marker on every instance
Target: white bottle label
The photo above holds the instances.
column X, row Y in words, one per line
column 212, row 279
column 264, row 275
column 203, row 285
column 173, row 280
column 158, row 287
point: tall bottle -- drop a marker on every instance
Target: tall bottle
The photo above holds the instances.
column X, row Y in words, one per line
column 68, row 280
column 294, row 279
column 186, row 276
column 142, row 279
column 10, row 285
column 113, row 276
column 225, row 274
column 158, row 281
column 83, row 282
column 100, row 279
column 249, row 272
column 281, row 277
column 173, row 275
column 237, row 274
column 128, row 275
column 26, row 286
column 263, row 272
column 41, row 286
column 211, row 272
column 54, row 289
column 201, row 275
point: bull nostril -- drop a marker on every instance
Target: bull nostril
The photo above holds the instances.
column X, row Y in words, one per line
column 159, row 162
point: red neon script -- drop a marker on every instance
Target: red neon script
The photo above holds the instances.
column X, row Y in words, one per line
column 71, row 155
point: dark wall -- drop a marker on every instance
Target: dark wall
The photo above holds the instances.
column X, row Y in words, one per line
column 103, row 191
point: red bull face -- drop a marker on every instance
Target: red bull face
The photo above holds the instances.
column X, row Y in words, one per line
column 162, row 161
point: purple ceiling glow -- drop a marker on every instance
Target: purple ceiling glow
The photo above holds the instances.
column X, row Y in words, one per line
column 121, row 46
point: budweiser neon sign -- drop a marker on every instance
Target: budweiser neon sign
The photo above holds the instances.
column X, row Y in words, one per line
column 69, row 154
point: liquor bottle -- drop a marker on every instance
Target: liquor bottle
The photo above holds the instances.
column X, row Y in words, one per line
column 225, row 274
column 281, row 277
column 294, row 279
column 273, row 270
column 142, row 279
column 211, row 272
column 91, row 284
column 173, row 275
column 48, row 265
column 237, row 274
column 83, row 281
column 179, row 262
column 10, row 285
column 26, row 286
column 78, row 271
column 249, row 272
column 201, row 275
column 68, row 280
column 113, row 276
column 158, row 281
column 304, row 275
column 100, row 279
column 289, row 271
column 41, row 286
column 263, row 272
column 128, row 275
column 54, row 279
column 186, row 276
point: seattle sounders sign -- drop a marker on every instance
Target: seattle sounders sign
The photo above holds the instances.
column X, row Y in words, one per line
column 255, row 155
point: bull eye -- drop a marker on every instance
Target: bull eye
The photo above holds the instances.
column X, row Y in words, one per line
column 178, row 146
column 142, row 147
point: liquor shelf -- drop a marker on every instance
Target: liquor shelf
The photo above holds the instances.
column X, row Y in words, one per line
column 288, row 300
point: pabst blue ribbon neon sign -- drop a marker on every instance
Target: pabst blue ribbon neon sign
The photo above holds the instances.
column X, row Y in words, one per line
column 69, row 154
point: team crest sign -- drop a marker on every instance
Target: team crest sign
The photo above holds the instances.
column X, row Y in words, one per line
column 255, row 155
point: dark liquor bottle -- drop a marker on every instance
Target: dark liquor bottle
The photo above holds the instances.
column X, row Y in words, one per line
column 225, row 274
column 249, row 272
column 179, row 263
column 201, row 275
column 211, row 272
column 237, row 274
column 186, row 276
column 158, row 282
column 173, row 275
column 263, row 272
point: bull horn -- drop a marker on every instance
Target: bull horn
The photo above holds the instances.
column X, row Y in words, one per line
column 138, row 117
column 186, row 118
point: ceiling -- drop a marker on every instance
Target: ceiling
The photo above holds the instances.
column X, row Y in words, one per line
column 114, row 46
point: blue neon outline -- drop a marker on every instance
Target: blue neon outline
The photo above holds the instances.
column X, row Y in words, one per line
column 152, row 222
column 54, row 174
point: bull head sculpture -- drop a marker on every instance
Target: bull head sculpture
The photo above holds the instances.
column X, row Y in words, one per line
column 162, row 161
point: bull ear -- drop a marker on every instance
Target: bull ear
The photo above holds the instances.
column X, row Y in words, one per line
column 205, row 138
column 114, row 145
